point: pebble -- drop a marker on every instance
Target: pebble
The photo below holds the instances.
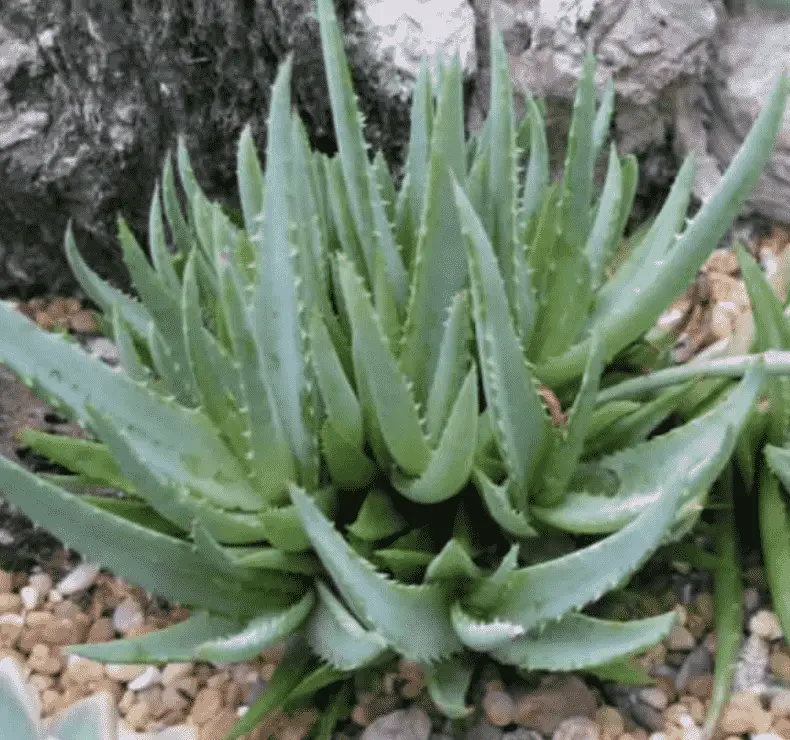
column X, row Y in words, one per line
column 9, row 603
column 104, row 349
column 753, row 662
column 558, row 698
column 100, row 631
column 220, row 725
column 654, row 697
column 80, row 579
column 499, row 708
column 6, row 581
column 122, row 672
column 207, row 703
column 30, row 597
column 127, row 615
column 174, row 671
column 577, row 728
column 698, row 662
column 780, row 703
column 42, row 582
column 765, row 624
column 402, row 724
column 680, row 639
column 82, row 670
column 148, row 677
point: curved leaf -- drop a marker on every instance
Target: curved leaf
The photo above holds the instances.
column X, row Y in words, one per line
column 448, row 685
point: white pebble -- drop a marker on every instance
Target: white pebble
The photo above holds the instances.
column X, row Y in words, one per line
column 241, row 711
column 765, row 624
column 148, row 677
column 126, row 615
column 30, row 596
column 765, row 736
column 80, row 579
column 42, row 582
column 16, row 619
column 54, row 597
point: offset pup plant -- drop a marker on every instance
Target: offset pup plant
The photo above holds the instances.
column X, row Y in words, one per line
column 328, row 422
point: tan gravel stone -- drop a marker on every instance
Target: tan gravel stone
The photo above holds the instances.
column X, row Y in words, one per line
column 680, row 639
column 577, row 728
column 187, row 685
column 765, row 624
column 127, row 700
column 557, row 699
column 59, row 632
column 40, row 682
column 782, row 728
column 208, row 702
column 42, row 661
column 610, row 721
column 10, row 603
column 124, row 673
column 499, row 708
column 219, row 725
column 173, row 671
column 49, row 700
column 83, row 670
column 172, row 699
column 10, row 629
column 6, row 582
column 780, row 665
column 138, row 715
column 780, row 704
column 100, row 631
column 700, row 686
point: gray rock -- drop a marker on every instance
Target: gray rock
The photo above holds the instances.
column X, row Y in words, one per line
column 698, row 662
column 483, row 731
column 403, row 724
column 577, row 728
column 522, row 734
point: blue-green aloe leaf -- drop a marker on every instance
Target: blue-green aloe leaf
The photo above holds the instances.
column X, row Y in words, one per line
column 579, row 640
column 521, row 424
column 694, row 454
column 414, row 620
column 337, row 637
column 449, row 683
column 451, row 462
column 154, row 561
column 394, row 403
column 498, row 504
column 605, row 231
column 250, row 177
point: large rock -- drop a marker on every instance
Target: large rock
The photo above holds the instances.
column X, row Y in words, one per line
column 93, row 94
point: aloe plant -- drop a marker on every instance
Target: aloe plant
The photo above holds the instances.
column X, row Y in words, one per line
column 329, row 423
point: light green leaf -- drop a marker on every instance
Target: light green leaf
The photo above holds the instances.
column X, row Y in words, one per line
column 449, row 683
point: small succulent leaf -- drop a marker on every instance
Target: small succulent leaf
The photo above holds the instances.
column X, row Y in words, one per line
column 20, row 706
column 772, row 332
column 525, row 304
column 498, row 504
column 342, row 218
column 178, row 443
column 275, row 318
column 607, row 414
column 521, row 424
column 177, row 643
column 637, row 311
column 128, row 354
column 774, row 528
column 160, row 255
column 578, row 640
column 186, row 174
column 385, row 303
column 377, row 518
column 577, row 183
column 283, row 525
column 269, row 457
column 156, row 562
column 728, row 611
column 414, row 620
column 250, row 178
column 625, row 672
column 216, row 379
column 136, row 511
column 603, row 117
column 176, row 503
column 270, row 558
column 451, row 462
column 163, row 303
column 550, row 589
column 382, row 179
column 439, row 269
column 501, row 198
column 337, row 637
column 349, row 468
column 635, row 427
column 453, row 563
column 415, row 183
column 92, row 718
column 295, row 667
column 324, row 675
column 541, row 248
column 102, row 293
column 342, row 407
column 167, row 371
column 405, row 565
column 488, row 592
column 453, row 362
column 221, row 558
column 605, row 235
column 477, row 181
column 82, row 456
column 483, row 635
column 262, row 632
column 629, row 166
column 693, row 454
column 537, row 177
column 449, row 683
column 183, row 238
column 567, row 449
column 392, row 399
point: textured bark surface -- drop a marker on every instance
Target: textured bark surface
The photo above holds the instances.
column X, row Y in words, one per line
column 93, row 92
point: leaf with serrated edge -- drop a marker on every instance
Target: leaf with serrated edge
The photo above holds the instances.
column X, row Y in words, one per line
column 260, row 633
column 483, row 635
column 250, row 178
column 154, row 561
column 394, row 404
column 348, row 467
column 451, row 462
column 131, row 363
column 604, row 233
column 377, row 518
column 453, row 563
column 522, row 426
column 439, row 269
column 102, row 293
column 578, row 640
column 694, row 452
column 178, row 443
column 448, row 685
column 335, row 636
column 160, row 256
column 548, row 590
column 497, row 501
column 537, row 178
column 603, row 116
column 412, row 619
